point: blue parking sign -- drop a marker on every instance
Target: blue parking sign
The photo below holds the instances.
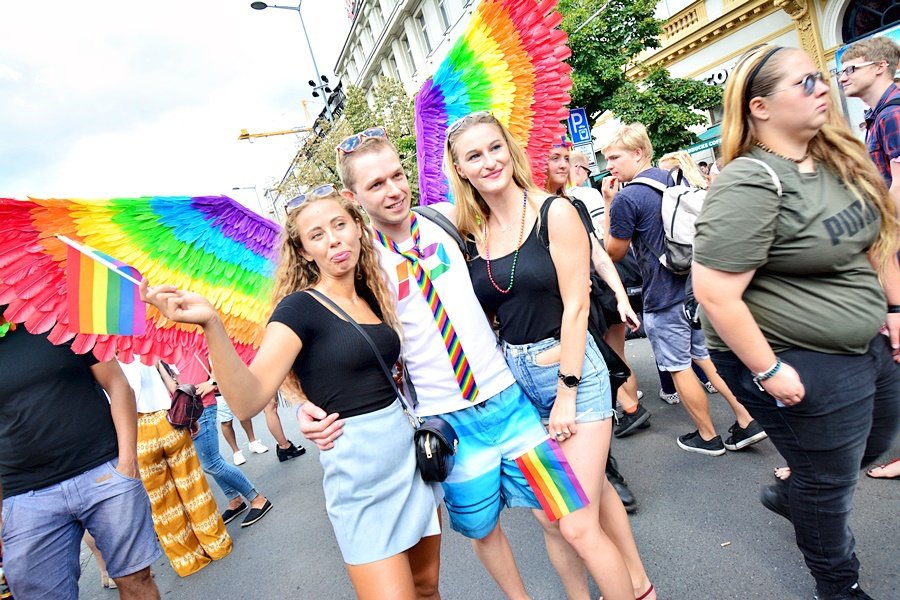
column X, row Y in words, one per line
column 579, row 130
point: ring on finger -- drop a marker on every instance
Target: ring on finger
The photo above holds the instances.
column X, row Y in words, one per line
column 559, row 435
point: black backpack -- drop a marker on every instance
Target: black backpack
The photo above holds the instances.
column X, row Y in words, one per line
column 618, row 369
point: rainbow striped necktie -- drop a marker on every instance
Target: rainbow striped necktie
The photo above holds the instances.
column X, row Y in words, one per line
column 458, row 361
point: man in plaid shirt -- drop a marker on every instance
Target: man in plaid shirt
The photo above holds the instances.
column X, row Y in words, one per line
column 867, row 73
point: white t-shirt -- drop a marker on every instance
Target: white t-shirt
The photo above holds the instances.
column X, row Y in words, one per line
column 423, row 347
column 593, row 200
column 149, row 390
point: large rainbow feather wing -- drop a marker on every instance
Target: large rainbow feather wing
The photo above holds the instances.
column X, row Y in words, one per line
column 509, row 61
column 209, row 244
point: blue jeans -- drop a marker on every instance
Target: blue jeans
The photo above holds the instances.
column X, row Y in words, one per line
column 42, row 531
column 847, row 418
column 228, row 477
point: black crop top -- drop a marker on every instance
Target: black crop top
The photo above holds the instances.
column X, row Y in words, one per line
column 336, row 366
column 532, row 310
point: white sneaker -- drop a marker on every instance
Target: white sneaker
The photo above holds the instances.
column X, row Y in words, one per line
column 257, row 447
column 672, row 398
column 640, row 394
column 710, row 388
column 239, row 458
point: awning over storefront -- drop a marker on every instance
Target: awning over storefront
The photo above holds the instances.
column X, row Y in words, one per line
column 710, row 138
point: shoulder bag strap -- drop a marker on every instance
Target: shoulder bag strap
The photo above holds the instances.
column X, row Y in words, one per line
column 438, row 218
column 769, row 170
column 340, row 311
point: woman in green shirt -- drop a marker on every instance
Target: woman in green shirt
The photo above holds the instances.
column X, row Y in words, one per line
column 795, row 262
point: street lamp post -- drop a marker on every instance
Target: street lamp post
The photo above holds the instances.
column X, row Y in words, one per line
column 321, row 82
column 262, row 207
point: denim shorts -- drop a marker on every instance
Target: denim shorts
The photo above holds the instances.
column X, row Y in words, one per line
column 594, row 399
column 224, row 413
column 42, row 531
column 485, row 477
column 674, row 343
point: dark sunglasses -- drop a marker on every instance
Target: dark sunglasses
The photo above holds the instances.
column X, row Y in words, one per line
column 321, row 191
column 808, row 82
column 352, row 143
column 471, row 116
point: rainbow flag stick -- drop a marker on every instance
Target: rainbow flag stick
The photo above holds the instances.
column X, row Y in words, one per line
column 93, row 255
column 551, row 478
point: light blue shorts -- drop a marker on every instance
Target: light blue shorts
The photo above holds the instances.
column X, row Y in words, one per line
column 674, row 343
column 594, row 400
column 223, row 414
column 485, row 477
column 42, row 531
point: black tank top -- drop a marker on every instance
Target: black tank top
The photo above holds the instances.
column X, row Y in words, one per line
column 532, row 310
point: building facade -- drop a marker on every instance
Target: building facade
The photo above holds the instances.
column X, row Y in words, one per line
column 703, row 39
column 405, row 40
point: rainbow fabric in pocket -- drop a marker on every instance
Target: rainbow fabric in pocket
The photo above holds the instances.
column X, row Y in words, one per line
column 100, row 300
column 552, row 479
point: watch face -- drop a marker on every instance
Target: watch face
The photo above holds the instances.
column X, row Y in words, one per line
column 570, row 380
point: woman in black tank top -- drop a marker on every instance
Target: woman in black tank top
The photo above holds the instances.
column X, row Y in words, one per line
column 541, row 298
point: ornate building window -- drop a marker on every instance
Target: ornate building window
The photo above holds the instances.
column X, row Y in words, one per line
column 864, row 17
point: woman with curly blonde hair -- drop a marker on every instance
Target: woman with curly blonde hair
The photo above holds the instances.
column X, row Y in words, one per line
column 795, row 266
column 384, row 515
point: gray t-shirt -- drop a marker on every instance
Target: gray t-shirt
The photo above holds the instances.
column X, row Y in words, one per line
column 814, row 287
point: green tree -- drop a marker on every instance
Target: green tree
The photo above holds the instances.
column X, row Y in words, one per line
column 391, row 108
column 661, row 103
column 605, row 47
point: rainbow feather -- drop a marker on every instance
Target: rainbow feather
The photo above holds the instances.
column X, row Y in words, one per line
column 210, row 245
column 509, row 61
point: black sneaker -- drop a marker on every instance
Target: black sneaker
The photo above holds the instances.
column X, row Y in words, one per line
column 741, row 437
column 774, row 498
column 290, row 452
column 692, row 442
column 854, row 593
column 618, row 483
column 229, row 515
column 256, row 514
column 631, row 422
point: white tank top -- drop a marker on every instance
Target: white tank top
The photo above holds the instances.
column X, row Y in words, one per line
column 423, row 348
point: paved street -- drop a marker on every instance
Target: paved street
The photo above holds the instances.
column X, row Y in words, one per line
column 701, row 530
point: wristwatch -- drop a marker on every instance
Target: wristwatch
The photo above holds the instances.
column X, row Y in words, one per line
column 570, row 381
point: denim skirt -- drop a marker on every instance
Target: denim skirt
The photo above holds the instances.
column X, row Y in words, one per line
column 594, row 400
column 376, row 500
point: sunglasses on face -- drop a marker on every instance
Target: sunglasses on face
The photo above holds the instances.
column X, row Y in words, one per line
column 471, row 116
column 808, row 82
column 851, row 69
column 321, row 191
column 352, row 143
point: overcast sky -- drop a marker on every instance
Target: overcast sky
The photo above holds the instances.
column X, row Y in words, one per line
column 106, row 98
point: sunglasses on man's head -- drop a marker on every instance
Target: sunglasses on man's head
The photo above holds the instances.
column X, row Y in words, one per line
column 352, row 143
column 321, row 191
column 808, row 82
column 465, row 118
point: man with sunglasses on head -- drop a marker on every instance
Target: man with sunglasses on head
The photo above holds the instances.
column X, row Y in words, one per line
column 867, row 73
column 493, row 418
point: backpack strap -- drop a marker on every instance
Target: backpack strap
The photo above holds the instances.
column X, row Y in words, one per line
column 444, row 223
column 871, row 120
column 769, row 170
column 656, row 185
column 544, row 229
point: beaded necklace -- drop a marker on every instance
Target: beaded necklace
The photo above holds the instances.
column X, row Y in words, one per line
column 487, row 251
column 762, row 146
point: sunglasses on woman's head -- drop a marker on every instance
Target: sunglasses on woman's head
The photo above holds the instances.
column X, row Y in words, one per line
column 458, row 123
column 323, row 190
column 352, row 143
column 808, row 82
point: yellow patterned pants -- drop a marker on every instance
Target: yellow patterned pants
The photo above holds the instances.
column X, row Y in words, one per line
column 185, row 515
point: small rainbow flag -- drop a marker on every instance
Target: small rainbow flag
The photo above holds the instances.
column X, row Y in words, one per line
column 103, row 295
column 552, row 479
